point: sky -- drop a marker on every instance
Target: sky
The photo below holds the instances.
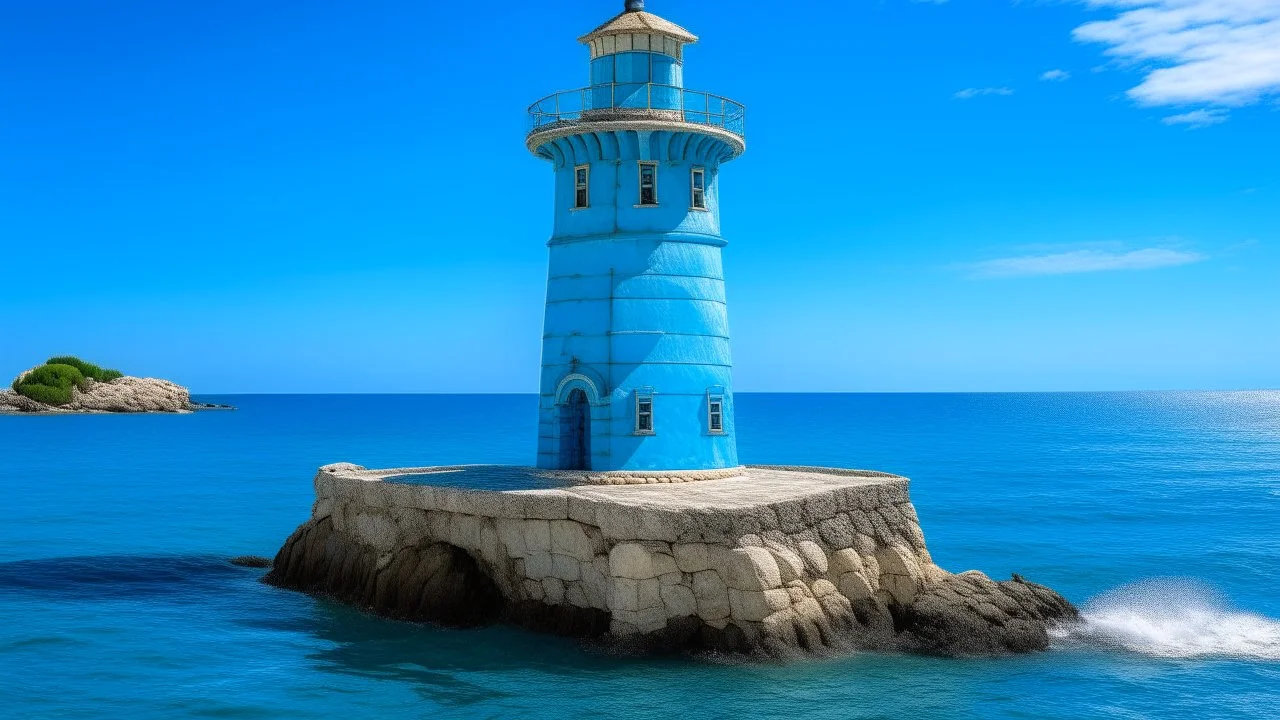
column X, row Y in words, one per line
column 971, row 195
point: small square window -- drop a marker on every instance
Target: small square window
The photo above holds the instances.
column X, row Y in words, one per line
column 581, row 196
column 644, row 412
column 698, row 183
column 715, row 414
column 648, row 183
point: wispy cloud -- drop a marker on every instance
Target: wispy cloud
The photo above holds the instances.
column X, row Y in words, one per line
column 1055, row 75
column 1193, row 52
column 969, row 93
column 1083, row 261
column 1198, row 118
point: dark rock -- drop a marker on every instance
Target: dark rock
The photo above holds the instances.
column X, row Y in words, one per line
column 251, row 561
column 992, row 618
column 434, row 582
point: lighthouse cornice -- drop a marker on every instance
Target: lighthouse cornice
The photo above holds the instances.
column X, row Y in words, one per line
column 536, row 140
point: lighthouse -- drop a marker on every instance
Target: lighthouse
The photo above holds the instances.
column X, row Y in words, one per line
column 635, row 350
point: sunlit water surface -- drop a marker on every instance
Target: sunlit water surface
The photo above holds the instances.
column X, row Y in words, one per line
column 1158, row 513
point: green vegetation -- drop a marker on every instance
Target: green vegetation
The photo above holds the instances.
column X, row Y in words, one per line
column 86, row 369
column 51, row 383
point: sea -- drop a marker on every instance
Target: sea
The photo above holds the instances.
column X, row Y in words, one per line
column 1158, row 514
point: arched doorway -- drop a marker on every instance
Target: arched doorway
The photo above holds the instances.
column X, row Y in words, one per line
column 575, row 432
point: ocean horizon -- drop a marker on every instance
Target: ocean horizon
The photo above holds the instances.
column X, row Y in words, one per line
column 1152, row 511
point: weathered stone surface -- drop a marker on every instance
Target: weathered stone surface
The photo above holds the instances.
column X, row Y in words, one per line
column 752, row 568
column 771, row 560
column 815, row 559
column 692, row 557
column 959, row 616
column 711, row 595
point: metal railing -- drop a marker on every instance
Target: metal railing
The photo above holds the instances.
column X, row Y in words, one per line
column 631, row 101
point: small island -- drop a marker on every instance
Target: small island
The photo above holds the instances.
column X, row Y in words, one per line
column 67, row 384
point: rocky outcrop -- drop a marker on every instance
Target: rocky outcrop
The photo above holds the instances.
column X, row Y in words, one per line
column 122, row 395
column 771, row 561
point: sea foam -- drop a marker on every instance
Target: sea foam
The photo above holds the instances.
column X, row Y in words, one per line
column 1173, row 618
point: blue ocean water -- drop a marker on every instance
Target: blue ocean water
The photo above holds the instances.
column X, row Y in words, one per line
column 1158, row 513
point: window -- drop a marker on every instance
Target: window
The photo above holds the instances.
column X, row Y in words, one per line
column 648, row 183
column 715, row 414
column 644, row 412
column 581, row 174
column 698, row 183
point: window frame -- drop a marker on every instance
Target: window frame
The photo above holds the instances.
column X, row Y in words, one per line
column 644, row 397
column 698, row 195
column 640, row 166
column 715, row 400
column 584, row 187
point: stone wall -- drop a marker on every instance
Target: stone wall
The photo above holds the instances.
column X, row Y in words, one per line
column 824, row 560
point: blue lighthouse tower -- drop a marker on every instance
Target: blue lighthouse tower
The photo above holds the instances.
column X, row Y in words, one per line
column 635, row 350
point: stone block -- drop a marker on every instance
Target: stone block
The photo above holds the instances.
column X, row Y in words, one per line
column 595, row 586
column 635, row 594
column 546, row 505
column 752, row 568
column 511, row 533
column 491, row 548
column 533, row 589
column 672, row 578
column 679, row 601
column 837, row 532
column 637, row 562
column 854, row 586
column 862, row 524
column 899, row 574
column 844, row 561
column 815, row 558
column 569, row 538
column 538, row 565
column 822, row 588
column 790, row 566
column 553, row 590
column 537, row 536
column 711, row 595
column 644, row 621
column 754, row 606
column 565, row 568
column 575, row 595
column 820, row 506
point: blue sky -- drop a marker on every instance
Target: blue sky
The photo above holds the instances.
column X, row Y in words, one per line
column 961, row 196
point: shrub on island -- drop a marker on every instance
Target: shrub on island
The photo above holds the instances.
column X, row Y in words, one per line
column 52, row 382
column 86, row 369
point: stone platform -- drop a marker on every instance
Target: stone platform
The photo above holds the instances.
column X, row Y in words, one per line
column 768, row 559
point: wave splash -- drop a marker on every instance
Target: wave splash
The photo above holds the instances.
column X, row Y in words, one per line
column 1173, row 619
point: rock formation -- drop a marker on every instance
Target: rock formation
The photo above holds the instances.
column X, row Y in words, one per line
column 126, row 394
column 772, row 561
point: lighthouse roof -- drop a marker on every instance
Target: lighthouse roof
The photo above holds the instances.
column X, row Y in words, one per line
column 639, row 21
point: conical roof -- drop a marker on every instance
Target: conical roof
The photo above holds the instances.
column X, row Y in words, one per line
column 639, row 21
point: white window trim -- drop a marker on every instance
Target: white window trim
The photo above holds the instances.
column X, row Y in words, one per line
column 640, row 396
column 585, row 186
column 640, row 184
column 715, row 398
column 693, row 191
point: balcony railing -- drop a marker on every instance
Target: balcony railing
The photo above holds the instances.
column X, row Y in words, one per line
column 636, row 101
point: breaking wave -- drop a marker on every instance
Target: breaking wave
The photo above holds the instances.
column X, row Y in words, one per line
column 1173, row 619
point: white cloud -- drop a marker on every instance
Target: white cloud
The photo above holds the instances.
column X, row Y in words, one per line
column 1083, row 261
column 1055, row 75
column 1198, row 118
column 1193, row 52
column 968, row 93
